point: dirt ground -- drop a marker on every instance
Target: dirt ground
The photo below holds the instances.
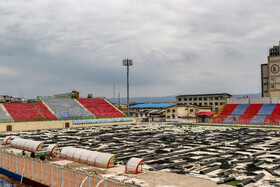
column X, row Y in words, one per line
column 160, row 179
column 164, row 179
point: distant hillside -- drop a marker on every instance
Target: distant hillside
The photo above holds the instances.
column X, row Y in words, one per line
column 165, row 99
column 247, row 95
column 169, row 99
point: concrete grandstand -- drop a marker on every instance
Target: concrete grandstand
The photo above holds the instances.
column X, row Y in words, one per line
column 58, row 108
column 245, row 111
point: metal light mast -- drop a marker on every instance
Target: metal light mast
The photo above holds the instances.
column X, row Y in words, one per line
column 127, row 63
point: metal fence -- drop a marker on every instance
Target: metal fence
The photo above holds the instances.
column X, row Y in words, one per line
column 51, row 174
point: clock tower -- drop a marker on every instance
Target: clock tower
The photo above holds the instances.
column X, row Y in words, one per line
column 271, row 74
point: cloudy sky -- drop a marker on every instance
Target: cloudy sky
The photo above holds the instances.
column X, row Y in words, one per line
column 178, row 46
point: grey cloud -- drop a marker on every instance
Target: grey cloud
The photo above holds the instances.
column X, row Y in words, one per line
column 177, row 46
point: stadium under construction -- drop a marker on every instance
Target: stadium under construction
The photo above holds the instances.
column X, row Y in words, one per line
column 60, row 141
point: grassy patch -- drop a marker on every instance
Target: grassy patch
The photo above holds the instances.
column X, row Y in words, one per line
column 232, row 183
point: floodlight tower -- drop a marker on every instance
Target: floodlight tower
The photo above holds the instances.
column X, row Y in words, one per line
column 127, row 63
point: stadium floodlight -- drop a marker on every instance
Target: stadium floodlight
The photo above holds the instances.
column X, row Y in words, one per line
column 127, row 63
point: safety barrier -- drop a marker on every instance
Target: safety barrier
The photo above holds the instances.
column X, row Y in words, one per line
column 98, row 121
column 51, row 174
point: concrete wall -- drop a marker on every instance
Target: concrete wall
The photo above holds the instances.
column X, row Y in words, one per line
column 36, row 125
column 238, row 101
column 261, row 100
column 43, row 125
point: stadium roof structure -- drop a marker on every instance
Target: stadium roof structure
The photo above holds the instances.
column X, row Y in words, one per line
column 153, row 105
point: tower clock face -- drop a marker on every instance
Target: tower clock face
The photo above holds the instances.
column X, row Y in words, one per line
column 274, row 68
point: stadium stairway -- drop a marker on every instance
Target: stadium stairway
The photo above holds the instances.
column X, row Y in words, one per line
column 44, row 111
column 4, row 115
column 229, row 108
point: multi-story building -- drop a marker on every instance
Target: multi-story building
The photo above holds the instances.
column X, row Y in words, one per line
column 215, row 101
column 184, row 113
column 270, row 74
column 150, row 112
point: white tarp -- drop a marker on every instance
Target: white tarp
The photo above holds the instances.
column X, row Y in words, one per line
column 28, row 145
column 93, row 158
column 132, row 166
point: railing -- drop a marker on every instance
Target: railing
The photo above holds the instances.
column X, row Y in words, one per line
column 53, row 175
column 60, row 119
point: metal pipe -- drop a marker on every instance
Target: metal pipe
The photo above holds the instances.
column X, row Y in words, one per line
column 259, row 163
column 258, row 154
column 244, row 182
column 258, row 177
column 127, row 82
column 222, row 181
column 83, row 181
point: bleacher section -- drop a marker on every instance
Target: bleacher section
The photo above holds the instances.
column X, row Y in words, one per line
column 248, row 115
column 236, row 113
column 67, row 108
column 225, row 113
column 3, row 116
column 44, row 111
column 23, row 112
column 100, row 107
column 254, row 114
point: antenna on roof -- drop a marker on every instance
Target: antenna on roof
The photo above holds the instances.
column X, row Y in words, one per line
column 119, row 99
column 19, row 94
column 114, row 91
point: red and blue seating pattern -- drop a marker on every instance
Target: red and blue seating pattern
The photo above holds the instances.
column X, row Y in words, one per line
column 18, row 112
column 100, row 107
column 253, row 114
column 225, row 113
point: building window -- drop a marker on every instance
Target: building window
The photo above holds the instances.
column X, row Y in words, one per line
column 191, row 110
column 179, row 99
column 168, row 111
column 216, row 98
column 173, row 110
column 216, row 104
column 272, row 78
column 190, row 99
column 195, row 99
column 205, row 98
column 272, row 86
column 200, row 99
column 210, row 98
column 185, row 99
column 205, row 104
column 200, row 104
column 211, row 104
column 221, row 103
column 196, row 110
